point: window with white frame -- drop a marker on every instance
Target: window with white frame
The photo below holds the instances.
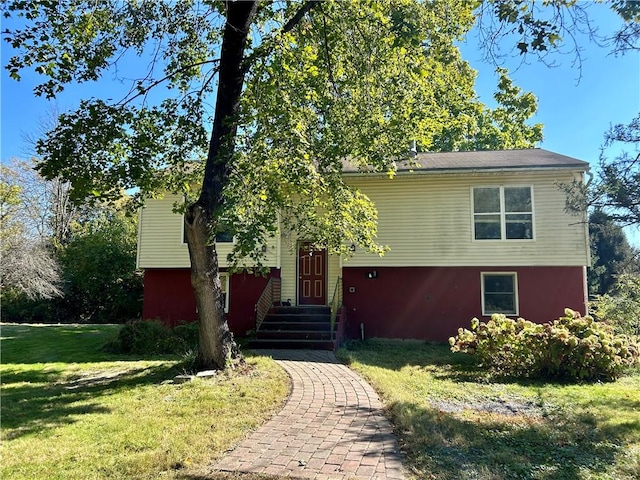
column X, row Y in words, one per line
column 225, row 235
column 499, row 293
column 502, row 213
column 224, row 281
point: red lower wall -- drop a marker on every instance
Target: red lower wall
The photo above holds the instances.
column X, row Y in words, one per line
column 428, row 303
column 168, row 296
column 431, row 303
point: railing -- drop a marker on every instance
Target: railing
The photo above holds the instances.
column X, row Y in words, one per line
column 336, row 303
column 267, row 297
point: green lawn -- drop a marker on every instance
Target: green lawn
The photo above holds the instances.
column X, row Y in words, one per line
column 71, row 411
column 454, row 423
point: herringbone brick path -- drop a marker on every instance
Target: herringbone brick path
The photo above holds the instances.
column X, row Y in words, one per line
column 332, row 427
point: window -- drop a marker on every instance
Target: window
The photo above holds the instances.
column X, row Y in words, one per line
column 223, row 236
column 499, row 293
column 224, row 280
column 501, row 213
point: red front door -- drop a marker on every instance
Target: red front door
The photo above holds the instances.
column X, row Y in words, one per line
column 312, row 276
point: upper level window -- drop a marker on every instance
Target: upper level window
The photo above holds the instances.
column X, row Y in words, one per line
column 223, row 236
column 502, row 213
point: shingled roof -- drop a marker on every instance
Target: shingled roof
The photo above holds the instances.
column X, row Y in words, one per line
column 487, row 160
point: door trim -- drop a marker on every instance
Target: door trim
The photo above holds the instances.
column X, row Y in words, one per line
column 299, row 243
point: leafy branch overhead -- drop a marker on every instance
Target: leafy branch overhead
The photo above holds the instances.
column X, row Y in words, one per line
column 324, row 81
column 615, row 187
column 259, row 103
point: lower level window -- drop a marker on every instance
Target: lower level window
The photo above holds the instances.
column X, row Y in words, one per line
column 499, row 293
column 224, row 281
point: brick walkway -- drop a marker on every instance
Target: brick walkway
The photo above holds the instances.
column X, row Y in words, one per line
column 332, row 427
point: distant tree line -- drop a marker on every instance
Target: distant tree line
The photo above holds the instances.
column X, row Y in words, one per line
column 61, row 262
column 613, row 199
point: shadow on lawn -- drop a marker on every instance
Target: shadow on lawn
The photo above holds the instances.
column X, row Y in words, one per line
column 34, row 401
column 470, row 443
column 44, row 343
column 450, row 447
column 396, row 355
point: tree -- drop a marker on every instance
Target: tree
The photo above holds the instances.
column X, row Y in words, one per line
column 102, row 284
column 48, row 199
column 301, row 86
column 611, row 254
column 28, row 264
column 617, row 188
column 621, row 306
column 46, row 211
column 504, row 127
column 61, row 262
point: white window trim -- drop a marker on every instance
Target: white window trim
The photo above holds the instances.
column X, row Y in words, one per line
column 182, row 242
column 503, row 221
column 224, row 278
column 515, row 292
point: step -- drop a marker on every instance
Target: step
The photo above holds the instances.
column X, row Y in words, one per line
column 306, row 309
column 293, row 335
column 293, row 344
column 296, row 317
column 287, row 326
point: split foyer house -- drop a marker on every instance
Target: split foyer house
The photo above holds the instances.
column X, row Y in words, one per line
column 470, row 234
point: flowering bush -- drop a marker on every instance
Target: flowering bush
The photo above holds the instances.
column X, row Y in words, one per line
column 571, row 347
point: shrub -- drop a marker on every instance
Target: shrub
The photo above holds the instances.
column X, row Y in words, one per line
column 148, row 337
column 622, row 308
column 572, row 347
column 17, row 307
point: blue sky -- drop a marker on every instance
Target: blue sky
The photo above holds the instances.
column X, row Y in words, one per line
column 575, row 111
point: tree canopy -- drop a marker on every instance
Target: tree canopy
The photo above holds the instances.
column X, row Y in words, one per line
column 28, row 264
column 259, row 105
column 356, row 80
column 611, row 253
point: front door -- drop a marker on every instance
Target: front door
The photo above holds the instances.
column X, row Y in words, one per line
column 312, row 276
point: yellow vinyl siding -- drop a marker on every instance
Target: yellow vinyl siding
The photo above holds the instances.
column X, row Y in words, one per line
column 160, row 239
column 289, row 265
column 427, row 221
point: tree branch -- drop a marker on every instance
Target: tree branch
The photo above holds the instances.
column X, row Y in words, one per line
column 293, row 21
column 145, row 90
column 308, row 5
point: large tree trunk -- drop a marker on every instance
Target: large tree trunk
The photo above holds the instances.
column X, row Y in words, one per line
column 216, row 345
column 217, row 349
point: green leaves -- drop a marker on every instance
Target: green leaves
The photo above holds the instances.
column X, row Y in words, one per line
column 350, row 81
column 572, row 347
column 104, row 150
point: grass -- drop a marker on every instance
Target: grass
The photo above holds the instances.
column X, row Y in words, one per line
column 72, row 411
column 453, row 422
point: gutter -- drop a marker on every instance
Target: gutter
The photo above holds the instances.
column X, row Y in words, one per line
column 468, row 170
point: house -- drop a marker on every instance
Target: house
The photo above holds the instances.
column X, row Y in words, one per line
column 470, row 234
